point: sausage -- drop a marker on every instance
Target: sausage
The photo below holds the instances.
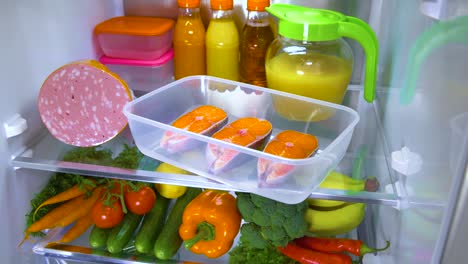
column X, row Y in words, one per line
column 81, row 104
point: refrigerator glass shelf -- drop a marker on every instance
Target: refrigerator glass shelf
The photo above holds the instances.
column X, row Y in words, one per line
column 46, row 153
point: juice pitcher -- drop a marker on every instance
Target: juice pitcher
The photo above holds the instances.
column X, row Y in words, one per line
column 310, row 58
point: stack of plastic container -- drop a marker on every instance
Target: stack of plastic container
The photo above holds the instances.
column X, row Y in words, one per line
column 139, row 50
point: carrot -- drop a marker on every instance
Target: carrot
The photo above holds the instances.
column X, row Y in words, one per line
column 51, row 218
column 78, row 228
column 83, row 209
column 65, row 214
column 66, row 195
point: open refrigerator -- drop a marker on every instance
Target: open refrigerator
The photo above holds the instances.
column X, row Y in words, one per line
column 414, row 135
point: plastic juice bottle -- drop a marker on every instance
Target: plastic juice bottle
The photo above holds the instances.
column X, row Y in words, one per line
column 189, row 40
column 222, row 42
column 255, row 39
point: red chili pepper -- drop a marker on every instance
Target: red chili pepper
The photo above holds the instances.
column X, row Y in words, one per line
column 307, row 256
column 338, row 245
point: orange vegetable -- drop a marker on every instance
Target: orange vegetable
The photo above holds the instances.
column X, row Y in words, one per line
column 65, row 214
column 83, row 209
column 71, row 193
column 51, row 219
column 70, row 248
column 78, row 228
column 210, row 223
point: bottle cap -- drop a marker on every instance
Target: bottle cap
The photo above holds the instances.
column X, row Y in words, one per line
column 221, row 4
column 257, row 5
column 188, row 3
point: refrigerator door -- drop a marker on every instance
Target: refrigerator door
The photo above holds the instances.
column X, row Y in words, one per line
column 37, row 37
column 423, row 105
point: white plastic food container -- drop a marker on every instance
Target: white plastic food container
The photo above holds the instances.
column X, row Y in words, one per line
column 143, row 76
column 134, row 37
column 150, row 117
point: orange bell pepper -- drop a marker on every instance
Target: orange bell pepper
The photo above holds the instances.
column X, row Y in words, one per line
column 210, row 223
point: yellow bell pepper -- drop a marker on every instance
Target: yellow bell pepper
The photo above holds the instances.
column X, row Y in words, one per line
column 210, row 223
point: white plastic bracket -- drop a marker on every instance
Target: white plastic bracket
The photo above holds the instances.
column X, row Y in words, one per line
column 15, row 125
column 406, row 162
column 402, row 190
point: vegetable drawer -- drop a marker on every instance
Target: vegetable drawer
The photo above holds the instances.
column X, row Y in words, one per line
column 151, row 116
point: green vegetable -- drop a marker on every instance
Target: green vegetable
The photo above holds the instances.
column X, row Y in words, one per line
column 268, row 255
column 169, row 241
column 274, row 222
column 98, row 237
column 128, row 158
column 121, row 234
column 251, row 236
column 89, row 155
column 153, row 223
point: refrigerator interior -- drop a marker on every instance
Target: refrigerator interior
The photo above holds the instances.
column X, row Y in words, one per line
column 420, row 106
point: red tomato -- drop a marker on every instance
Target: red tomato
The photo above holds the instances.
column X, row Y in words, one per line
column 141, row 201
column 105, row 216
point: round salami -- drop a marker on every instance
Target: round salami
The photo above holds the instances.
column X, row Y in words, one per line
column 81, row 104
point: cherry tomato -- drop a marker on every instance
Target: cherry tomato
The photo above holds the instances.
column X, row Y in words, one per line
column 140, row 201
column 107, row 216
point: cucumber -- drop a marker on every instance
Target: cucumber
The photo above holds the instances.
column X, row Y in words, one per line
column 98, row 237
column 152, row 226
column 169, row 241
column 121, row 234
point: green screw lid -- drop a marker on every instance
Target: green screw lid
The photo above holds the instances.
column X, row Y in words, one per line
column 302, row 23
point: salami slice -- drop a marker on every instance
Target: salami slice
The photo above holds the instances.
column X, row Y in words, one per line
column 81, row 104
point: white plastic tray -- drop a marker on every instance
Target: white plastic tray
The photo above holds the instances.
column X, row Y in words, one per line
column 152, row 114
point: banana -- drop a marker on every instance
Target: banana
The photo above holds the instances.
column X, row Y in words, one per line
column 339, row 181
column 335, row 221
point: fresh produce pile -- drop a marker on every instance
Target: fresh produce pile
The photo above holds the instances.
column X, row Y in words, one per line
column 155, row 220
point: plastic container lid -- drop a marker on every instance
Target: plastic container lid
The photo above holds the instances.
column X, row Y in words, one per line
column 135, row 25
column 257, row 5
column 221, row 4
column 188, row 3
column 143, row 63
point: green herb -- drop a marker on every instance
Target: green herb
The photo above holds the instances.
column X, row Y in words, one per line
column 89, row 155
column 128, row 158
column 243, row 254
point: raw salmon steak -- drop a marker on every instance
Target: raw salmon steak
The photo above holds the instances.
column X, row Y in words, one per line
column 205, row 120
column 248, row 132
column 288, row 144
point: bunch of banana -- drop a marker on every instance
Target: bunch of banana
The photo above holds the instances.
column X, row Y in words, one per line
column 330, row 218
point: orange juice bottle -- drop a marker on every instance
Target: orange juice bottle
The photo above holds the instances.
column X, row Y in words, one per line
column 222, row 42
column 189, row 40
column 254, row 42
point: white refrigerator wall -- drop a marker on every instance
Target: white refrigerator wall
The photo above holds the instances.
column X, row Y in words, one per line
column 37, row 37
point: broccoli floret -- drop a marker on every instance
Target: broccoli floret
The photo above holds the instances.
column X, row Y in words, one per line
column 295, row 226
column 262, row 202
column 278, row 222
column 245, row 206
column 276, row 235
column 251, row 236
column 261, row 218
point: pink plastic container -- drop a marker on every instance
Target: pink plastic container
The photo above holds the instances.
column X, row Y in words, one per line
column 143, row 76
column 133, row 37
